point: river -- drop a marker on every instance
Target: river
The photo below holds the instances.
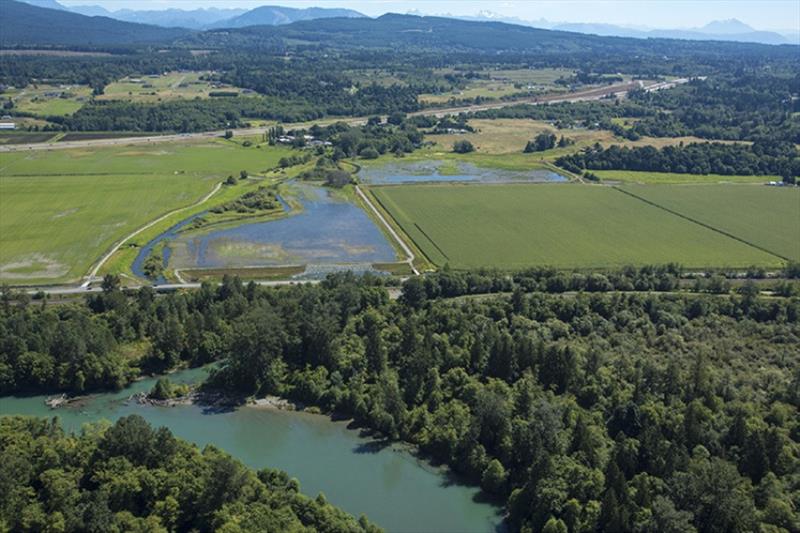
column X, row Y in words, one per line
column 388, row 484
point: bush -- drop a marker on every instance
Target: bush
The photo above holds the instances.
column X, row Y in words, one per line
column 463, row 147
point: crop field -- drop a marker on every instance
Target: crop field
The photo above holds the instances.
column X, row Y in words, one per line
column 767, row 217
column 61, row 210
column 671, row 178
column 564, row 226
column 24, row 137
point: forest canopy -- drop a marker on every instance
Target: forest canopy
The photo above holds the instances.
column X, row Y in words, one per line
column 135, row 478
column 600, row 410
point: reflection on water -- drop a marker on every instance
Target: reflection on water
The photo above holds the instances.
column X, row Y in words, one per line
column 384, row 482
column 328, row 230
column 431, row 171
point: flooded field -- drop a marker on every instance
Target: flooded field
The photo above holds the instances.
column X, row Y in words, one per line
column 327, row 230
column 441, row 171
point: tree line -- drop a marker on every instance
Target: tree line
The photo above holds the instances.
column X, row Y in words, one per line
column 582, row 411
column 132, row 477
column 758, row 159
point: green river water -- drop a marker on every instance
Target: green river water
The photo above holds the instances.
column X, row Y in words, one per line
column 393, row 488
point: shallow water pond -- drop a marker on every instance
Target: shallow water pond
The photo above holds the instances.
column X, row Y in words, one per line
column 327, row 230
column 454, row 171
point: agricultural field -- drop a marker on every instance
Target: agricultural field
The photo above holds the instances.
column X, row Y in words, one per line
column 504, row 136
column 501, row 83
column 50, row 100
column 564, row 226
column 202, row 158
column 671, row 178
column 52, row 228
column 162, row 87
column 25, row 137
column 61, row 210
column 767, row 217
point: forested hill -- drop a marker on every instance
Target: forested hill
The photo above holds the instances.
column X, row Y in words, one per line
column 28, row 25
column 393, row 31
column 24, row 24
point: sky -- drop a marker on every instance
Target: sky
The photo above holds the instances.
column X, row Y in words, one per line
column 760, row 14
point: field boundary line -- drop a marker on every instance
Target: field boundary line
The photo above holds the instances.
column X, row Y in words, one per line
column 432, row 241
column 93, row 272
column 388, row 213
column 409, row 254
column 700, row 223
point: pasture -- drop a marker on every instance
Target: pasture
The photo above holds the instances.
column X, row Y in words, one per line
column 202, row 158
column 47, row 100
column 510, row 135
column 564, row 226
column 767, row 217
column 499, row 83
column 161, row 87
column 61, row 210
column 53, row 228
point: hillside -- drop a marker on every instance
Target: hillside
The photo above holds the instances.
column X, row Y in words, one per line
column 24, row 24
column 414, row 33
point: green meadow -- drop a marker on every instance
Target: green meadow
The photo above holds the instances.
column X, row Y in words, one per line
column 564, row 226
column 672, row 178
column 60, row 211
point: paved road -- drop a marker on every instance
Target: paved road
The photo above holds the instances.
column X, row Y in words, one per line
column 620, row 89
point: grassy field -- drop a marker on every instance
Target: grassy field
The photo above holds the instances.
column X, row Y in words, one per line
column 501, row 83
column 768, row 217
column 509, row 136
column 155, row 88
column 204, row 158
column 671, row 178
column 52, row 228
column 567, row 226
column 47, row 100
column 61, row 210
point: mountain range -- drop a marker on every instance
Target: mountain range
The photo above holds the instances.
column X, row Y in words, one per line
column 215, row 18
column 26, row 24
column 717, row 30
column 201, row 19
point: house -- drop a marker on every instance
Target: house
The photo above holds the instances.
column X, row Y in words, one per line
column 7, row 126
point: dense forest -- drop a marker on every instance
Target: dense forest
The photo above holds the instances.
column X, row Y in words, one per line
column 758, row 159
column 132, row 477
column 753, row 105
column 589, row 410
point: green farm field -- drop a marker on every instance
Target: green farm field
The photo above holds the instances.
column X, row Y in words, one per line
column 564, row 226
column 671, row 178
column 61, row 211
column 53, row 228
column 205, row 158
column 768, row 217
